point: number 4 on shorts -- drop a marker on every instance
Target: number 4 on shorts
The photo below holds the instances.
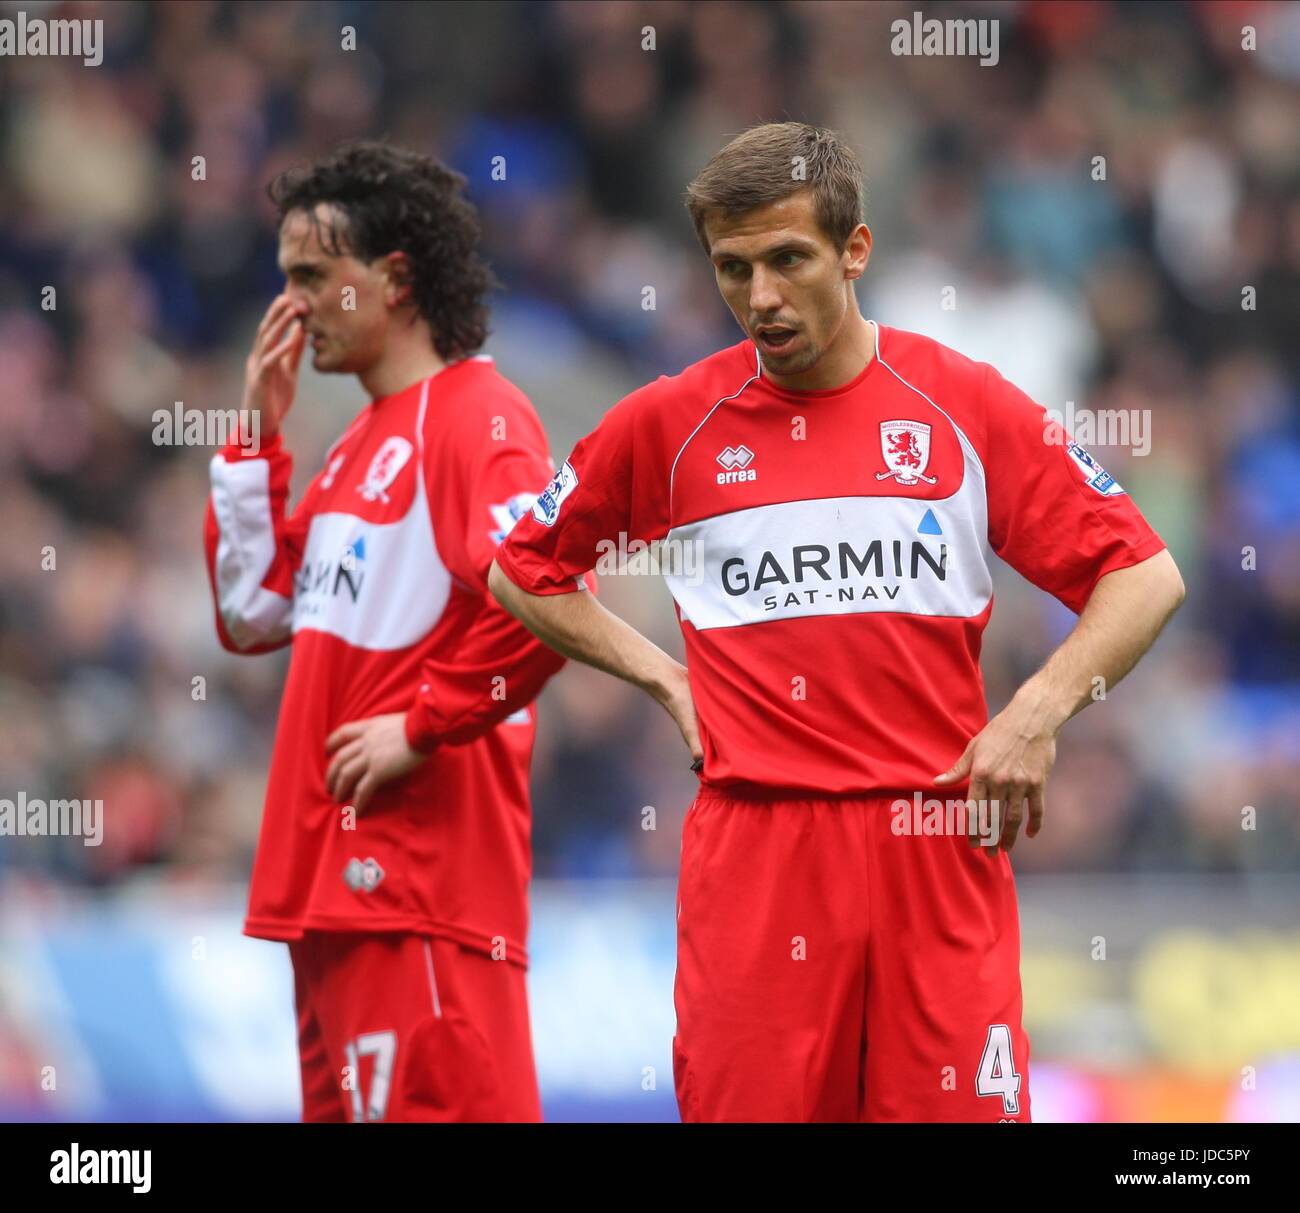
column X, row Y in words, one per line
column 997, row 1073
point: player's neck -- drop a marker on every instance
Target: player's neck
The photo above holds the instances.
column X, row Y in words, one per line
column 407, row 360
column 843, row 361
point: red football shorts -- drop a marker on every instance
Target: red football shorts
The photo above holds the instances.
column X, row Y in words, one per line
column 829, row 968
column 406, row 1027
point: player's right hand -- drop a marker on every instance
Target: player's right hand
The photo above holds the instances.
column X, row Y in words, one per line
column 681, row 706
column 271, row 370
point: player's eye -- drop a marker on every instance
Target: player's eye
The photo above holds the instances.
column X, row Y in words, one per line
column 788, row 259
column 733, row 267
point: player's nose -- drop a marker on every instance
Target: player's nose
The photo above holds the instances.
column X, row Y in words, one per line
column 764, row 297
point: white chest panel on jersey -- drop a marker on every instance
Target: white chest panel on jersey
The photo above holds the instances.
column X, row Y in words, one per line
column 837, row 556
column 375, row 585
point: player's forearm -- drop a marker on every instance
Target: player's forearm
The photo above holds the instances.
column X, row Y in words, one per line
column 577, row 626
column 499, row 668
column 1126, row 612
column 244, row 544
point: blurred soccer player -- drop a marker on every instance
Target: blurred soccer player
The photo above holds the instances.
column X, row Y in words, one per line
column 843, row 481
column 394, row 853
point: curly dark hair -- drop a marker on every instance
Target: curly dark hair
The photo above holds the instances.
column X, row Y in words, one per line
column 393, row 200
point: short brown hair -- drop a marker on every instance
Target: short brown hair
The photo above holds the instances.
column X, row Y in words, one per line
column 773, row 161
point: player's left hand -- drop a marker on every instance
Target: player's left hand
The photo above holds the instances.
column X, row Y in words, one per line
column 370, row 753
column 1007, row 762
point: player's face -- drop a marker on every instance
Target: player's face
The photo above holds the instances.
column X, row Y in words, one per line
column 784, row 280
column 345, row 328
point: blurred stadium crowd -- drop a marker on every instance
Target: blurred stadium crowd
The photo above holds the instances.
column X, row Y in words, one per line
column 1121, row 293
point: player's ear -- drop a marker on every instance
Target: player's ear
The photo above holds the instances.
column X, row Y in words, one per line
column 397, row 279
column 857, row 252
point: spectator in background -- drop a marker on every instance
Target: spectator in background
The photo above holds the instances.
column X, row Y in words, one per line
column 984, row 180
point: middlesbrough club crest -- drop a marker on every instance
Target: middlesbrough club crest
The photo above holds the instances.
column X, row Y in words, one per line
column 388, row 461
column 906, row 448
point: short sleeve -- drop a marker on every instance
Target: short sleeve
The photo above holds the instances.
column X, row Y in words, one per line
column 1055, row 514
column 605, row 493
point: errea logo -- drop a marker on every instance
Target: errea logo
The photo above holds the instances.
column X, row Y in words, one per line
column 736, row 459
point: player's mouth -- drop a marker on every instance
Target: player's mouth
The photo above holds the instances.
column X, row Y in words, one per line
column 775, row 338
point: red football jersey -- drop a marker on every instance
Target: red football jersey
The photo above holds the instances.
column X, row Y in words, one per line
column 379, row 581
column 828, row 550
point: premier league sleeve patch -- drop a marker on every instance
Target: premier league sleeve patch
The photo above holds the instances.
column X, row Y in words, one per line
column 1098, row 477
column 546, row 509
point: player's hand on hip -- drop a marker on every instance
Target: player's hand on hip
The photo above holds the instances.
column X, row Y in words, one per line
column 1007, row 763
column 676, row 697
column 271, row 369
column 368, row 753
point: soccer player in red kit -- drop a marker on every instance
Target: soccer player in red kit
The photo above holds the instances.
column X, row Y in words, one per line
column 842, row 483
column 394, row 853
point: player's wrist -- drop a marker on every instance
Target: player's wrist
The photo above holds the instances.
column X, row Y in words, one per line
column 265, row 420
column 1041, row 709
column 420, row 737
column 668, row 683
column 251, row 442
